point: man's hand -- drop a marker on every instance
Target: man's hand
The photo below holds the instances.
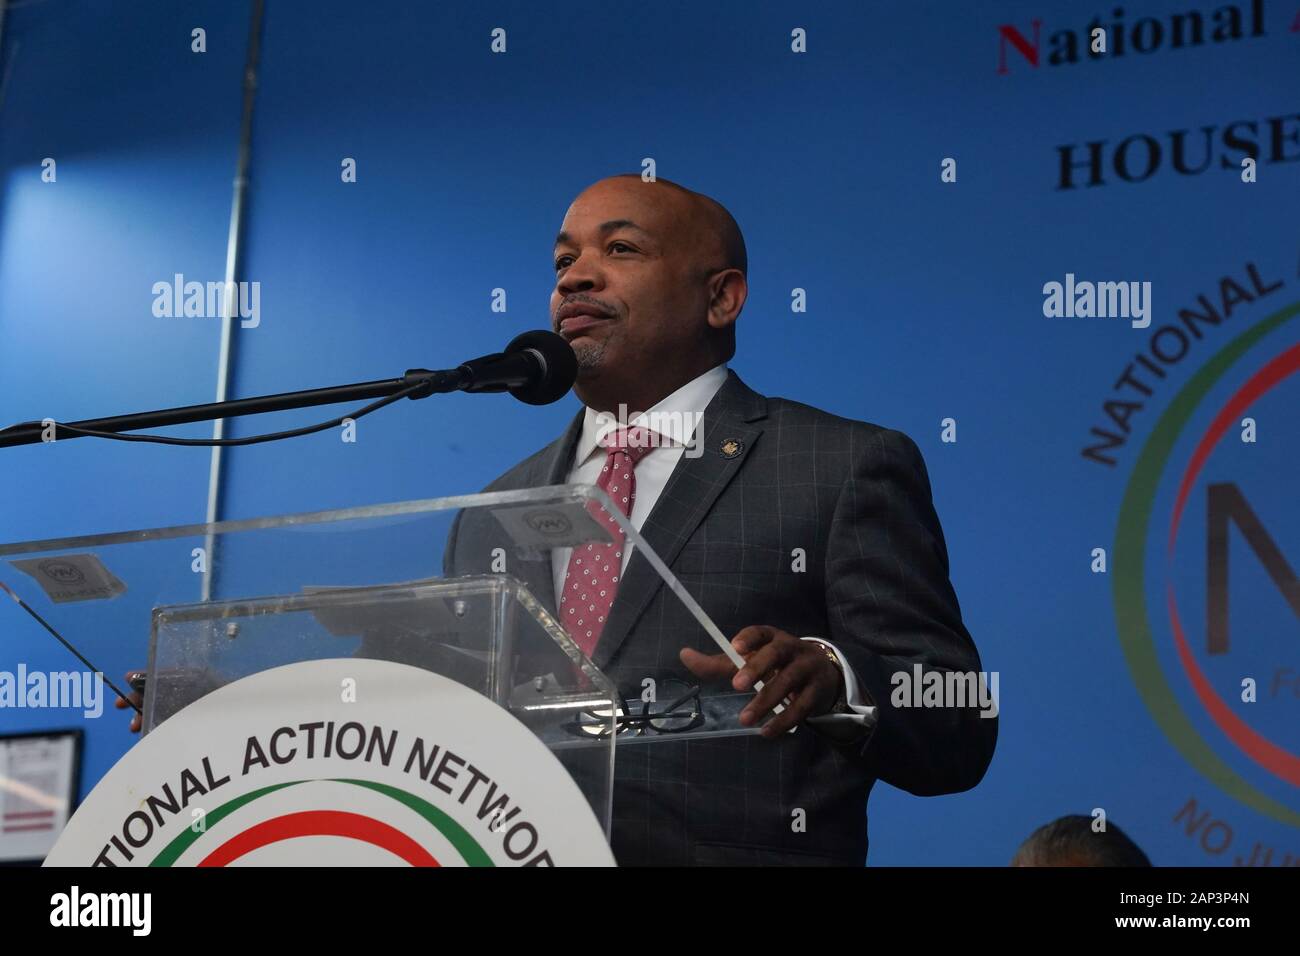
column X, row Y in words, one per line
column 136, row 697
column 788, row 667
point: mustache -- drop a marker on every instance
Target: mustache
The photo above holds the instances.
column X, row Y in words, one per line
column 580, row 299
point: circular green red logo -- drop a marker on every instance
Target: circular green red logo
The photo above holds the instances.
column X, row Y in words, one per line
column 1167, row 641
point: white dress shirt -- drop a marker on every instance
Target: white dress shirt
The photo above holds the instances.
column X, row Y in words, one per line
column 675, row 418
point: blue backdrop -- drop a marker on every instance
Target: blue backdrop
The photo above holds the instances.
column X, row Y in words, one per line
column 924, row 303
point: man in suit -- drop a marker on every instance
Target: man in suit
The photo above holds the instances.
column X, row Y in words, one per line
column 810, row 539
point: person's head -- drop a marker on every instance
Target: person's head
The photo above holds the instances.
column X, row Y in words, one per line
column 649, row 280
column 1071, row 841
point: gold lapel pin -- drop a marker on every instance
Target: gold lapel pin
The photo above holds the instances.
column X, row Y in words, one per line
column 731, row 448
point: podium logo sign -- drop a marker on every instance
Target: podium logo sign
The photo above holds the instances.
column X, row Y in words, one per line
column 549, row 523
column 281, row 769
column 72, row 577
column 564, row 525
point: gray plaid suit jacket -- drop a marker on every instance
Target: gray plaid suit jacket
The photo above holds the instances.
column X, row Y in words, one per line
column 856, row 498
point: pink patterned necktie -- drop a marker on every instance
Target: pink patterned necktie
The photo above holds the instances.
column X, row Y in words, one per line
column 591, row 580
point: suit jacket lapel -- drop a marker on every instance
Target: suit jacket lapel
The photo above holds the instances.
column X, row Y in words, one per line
column 690, row 493
column 551, row 468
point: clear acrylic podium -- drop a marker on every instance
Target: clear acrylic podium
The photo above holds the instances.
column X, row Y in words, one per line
column 205, row 605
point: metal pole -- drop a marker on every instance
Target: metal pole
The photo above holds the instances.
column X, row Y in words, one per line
column 233, row 247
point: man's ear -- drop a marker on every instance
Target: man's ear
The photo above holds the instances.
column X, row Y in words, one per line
column 728, row 290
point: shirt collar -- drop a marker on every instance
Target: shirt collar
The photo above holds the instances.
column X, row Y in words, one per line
column 675, row 418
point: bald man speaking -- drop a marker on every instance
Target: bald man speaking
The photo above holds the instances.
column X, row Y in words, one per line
column 650, row 279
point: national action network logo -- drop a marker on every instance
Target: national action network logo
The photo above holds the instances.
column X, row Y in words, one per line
column 1211, row 641
column 342, row 762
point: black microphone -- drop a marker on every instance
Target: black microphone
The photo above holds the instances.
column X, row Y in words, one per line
column 537, row 367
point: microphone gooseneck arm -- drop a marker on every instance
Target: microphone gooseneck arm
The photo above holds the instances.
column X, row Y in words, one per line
column 418, row 383
column 533, row 368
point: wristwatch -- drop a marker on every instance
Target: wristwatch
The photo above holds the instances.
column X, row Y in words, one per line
column 841, row 705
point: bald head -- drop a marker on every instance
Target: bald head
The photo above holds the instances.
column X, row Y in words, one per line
column 1073, row 841
column 650, row 278
column 719, row 236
